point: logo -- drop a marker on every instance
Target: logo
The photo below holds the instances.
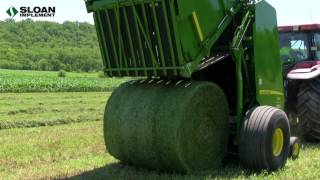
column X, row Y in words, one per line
column 12, row 12
column 37, row 11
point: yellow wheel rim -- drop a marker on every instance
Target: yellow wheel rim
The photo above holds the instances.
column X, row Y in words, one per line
column 277, row 142
column 296, row 150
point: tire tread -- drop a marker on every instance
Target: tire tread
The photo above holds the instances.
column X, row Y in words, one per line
column 309, row 109
column 256, row 127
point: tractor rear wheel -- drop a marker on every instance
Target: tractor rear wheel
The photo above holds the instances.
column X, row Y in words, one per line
column 264, row 139
column 172, row 126
column 309, row 110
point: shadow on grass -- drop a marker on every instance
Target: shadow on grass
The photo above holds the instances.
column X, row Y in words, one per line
column 121, row 171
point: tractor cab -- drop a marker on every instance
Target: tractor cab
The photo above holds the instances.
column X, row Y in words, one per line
column 300, row 51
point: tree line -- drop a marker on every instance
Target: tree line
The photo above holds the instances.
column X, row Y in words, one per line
column 42, row 45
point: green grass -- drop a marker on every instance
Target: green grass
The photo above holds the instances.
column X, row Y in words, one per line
column 77, row 151
column 42, row 109
column 48, row 81
column 39, row 152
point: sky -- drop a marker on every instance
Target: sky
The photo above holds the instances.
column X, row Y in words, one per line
column 288, row 11
column 66, row 10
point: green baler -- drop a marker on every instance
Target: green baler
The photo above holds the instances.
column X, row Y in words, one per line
column 210, row 82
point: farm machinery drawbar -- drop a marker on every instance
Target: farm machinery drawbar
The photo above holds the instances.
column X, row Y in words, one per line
column 210, row 81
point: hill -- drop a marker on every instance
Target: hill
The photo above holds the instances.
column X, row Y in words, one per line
column 41, row 45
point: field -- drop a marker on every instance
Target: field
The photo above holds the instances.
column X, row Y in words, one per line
column 77, row 152
column 58, row 135
column 48, row 81
column 44, row 109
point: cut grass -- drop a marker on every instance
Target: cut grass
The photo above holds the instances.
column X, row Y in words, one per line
column 48, row 81
column 306, row 167
column 49, row 151
column 77, row 151
column 19, row 110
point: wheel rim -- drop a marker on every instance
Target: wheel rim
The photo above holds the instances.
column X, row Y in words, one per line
column 296, row 150
column 277, row 142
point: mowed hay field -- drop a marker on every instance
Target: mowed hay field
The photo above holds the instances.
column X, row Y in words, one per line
column 20, row 110
column 77, row 151
column 59, row 135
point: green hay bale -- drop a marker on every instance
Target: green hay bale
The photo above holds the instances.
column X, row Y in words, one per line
column 181, row 128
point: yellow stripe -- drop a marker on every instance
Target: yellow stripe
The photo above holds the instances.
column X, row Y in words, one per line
column 271, row 92
column 197, row 24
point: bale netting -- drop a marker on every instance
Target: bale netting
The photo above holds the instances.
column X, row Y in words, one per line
column 176, row 126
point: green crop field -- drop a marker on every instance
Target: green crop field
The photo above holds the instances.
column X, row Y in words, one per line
column 48, row 81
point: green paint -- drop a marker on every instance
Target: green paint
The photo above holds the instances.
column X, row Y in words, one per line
column 268, row 71
column 238, row 53
column 177, row 37
column 174, row 49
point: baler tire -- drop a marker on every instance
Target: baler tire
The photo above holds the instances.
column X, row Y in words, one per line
column 259, row 149
column 308, row 108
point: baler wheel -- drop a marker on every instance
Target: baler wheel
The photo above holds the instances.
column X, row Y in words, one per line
column 295, row 147
column 264, row 139
column 172, row 126
column 309, row 110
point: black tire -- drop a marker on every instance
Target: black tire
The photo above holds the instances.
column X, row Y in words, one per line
column 295, row 147
column 256, row 149
column 309, row 110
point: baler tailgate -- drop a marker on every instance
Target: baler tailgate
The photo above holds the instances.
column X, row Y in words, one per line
column 139, row 39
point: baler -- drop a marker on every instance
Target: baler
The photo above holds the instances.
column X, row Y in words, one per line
column 208, row 81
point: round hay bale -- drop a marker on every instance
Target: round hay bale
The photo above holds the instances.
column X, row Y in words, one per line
column 173, row 127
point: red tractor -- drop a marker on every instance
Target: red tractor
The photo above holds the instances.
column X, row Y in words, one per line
column 300, row 54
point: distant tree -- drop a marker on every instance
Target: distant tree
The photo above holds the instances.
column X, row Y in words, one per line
column 62, row 73
column 43, row 65
column 72, row 46
column 55, row 65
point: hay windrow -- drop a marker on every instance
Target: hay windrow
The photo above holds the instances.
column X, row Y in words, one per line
column 168, row 127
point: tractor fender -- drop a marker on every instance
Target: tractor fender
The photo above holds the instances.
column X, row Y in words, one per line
column 305, row 70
